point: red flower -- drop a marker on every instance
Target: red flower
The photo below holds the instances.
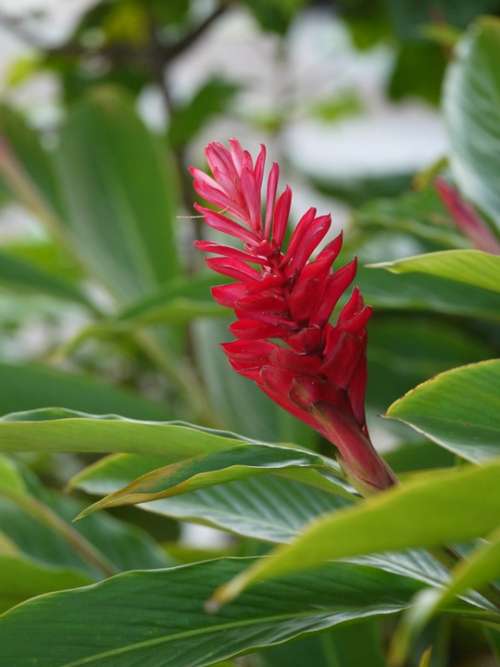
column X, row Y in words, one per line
column 466, row 218
column 283, row 301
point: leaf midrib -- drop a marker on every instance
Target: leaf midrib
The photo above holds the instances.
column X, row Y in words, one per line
column 216, row 628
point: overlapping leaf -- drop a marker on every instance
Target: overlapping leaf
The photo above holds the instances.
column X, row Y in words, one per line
column 220, row 467
column 101, row 621
column 433, row 509
column 472, row 115
column 458, row 409
column 472, row 267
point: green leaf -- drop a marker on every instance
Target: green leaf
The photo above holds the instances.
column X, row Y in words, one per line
column 472, row 267
column 418, row 72
column 220, row 467
column 432, row 509
column 22, row 578
column 415, row 456
column 35, row 386
column 60, row 430
column 121, row 545
column 472, row 115
column 266, row 507
column 120, row 194
column 211, row 99
column 23, row 143
column 405, row 351
column 10, row 479
column 274, row 15
column 101, row 628
column 409, row 17
column 420, row 214
column 458, row 409
column 338, row 107
column 421, row 292
column 21, row 275
column 480, row 567
column 180, row 301
column 347, row 645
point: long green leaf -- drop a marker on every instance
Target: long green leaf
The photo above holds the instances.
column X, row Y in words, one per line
column 26, row 517
column 458, row 409
column 472, row 267
column 61, row 430
column 404, row 351
column 17, row 274
column 101, row 628
column 422, row 292
column 217, row 468
column 120, row 195
column 472, row 114
column 266, row 507
column 179, row 301
column 33, row 386
column 347, row 645
column 24, row 146
column 22, row 578
column 480, row 567
column 430, row 510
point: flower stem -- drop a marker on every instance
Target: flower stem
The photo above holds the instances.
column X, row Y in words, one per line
column 366, row 470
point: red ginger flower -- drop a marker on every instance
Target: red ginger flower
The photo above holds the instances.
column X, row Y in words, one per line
column 283, row 301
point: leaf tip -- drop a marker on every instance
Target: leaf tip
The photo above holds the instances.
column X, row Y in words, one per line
column 224, row 594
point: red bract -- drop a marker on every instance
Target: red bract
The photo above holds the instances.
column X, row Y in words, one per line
column 466, row 218
column 283, row 301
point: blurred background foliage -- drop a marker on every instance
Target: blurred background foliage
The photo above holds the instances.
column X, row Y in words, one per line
column 104, row 306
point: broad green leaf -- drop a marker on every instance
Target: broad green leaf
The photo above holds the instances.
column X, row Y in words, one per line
column 123, row 546
column 35, row 386
column 472, row 267
column 408, row 18
column 347, row 645
column 10, row 479
column 480, row 567
column 266, row 507
column 217, row 468
column 418, row 71
column 48, row 256
column 420, row 455
column 458, row 409
column 60, row 430
column 208, row 101
column 405, row 351
column 23, row 145
column 178, row 302
column 421, row 292
column 101, row 628
column 472, row 115
column 420, row 214
column 22, row 578
column 432, row 509
column 17, row 274
column 120, row 194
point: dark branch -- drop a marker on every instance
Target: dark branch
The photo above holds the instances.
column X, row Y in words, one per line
column 116, row 53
